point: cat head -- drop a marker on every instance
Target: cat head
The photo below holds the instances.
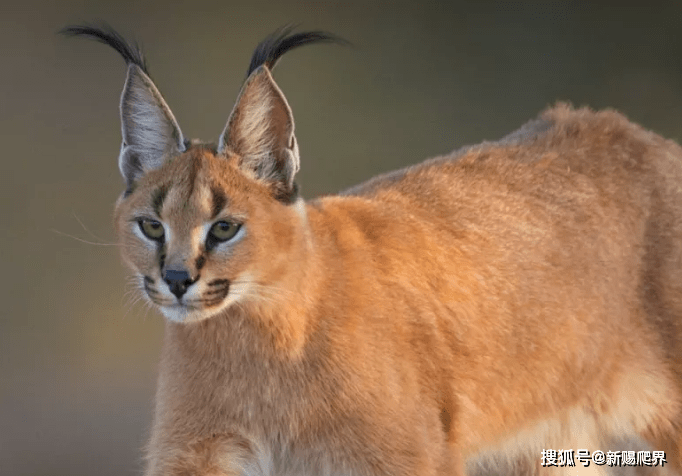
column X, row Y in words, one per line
column 204, row 226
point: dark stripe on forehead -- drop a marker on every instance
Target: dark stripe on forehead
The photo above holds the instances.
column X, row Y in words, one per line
column 218, row 199
column 195, row 164
column 158, row 197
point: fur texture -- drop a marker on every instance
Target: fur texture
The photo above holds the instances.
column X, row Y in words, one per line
column 454, row 317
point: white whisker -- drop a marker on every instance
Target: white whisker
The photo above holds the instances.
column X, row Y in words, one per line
column 81, row 239
column 73, row 212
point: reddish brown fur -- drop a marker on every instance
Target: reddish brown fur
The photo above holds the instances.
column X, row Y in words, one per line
column 434, row 315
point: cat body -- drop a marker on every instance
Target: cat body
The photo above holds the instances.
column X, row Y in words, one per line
column 508, row 298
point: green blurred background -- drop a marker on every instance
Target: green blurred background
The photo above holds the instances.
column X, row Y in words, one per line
column 77, row 361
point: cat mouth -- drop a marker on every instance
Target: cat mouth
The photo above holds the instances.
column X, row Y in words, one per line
column 208, row 300
column 193, row 305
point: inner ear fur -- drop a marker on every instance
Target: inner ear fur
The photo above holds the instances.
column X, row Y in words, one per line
column 260, row 131
column 151, row 134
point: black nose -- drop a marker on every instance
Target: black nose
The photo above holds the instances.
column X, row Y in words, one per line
column 178, row 281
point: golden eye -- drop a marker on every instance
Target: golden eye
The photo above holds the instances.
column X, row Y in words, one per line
column 152, row 229
column 223, row 230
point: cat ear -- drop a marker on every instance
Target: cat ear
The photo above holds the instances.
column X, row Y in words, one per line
column 260, row 131
column 151, row 134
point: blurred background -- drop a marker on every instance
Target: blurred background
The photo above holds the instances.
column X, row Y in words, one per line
column 77, row 359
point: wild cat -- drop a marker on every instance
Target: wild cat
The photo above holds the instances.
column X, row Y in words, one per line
column 507, row 298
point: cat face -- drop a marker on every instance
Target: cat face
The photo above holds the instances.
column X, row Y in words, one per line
column 205, row 228
column 200, row 235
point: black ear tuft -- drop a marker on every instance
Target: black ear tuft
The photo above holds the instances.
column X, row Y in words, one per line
column 131, row 53
column 260, row 129
column 151, row 134
column 269, row 51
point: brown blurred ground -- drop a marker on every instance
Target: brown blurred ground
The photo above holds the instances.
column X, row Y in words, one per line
column 77, row 365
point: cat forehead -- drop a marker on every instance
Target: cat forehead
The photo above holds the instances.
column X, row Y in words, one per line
column 196, row 181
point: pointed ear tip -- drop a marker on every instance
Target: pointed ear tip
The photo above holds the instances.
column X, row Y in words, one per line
column 133, row 68
column 259, row 72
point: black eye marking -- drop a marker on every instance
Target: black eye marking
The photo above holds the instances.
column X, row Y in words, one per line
column 157, row 199
column 200, row 262
column 162, row 256
column 219, row 200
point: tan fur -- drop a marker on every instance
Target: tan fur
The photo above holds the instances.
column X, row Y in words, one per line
column 517, row 296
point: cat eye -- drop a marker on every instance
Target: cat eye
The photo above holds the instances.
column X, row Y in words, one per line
column 152, row 229
column 223, row 231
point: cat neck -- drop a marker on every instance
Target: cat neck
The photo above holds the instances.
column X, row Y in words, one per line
column 277, row 314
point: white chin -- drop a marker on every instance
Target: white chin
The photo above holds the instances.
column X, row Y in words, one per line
column 185, row 315
column 177, row 313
